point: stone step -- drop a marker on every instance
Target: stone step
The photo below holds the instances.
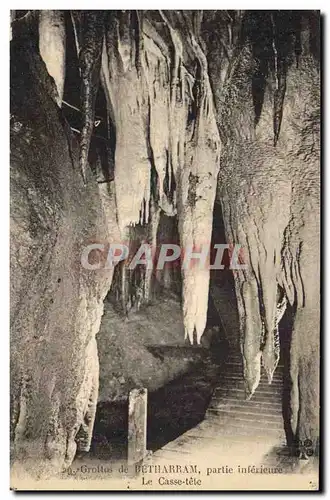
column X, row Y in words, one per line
column 239, row 432
column 275, row 395
column 233, row 363
column 237, row 358
column 263, row 388
column 274, row 388
column 244, row 410
column 236, row 369
column 239, row 392
column 168, row 453
column 249, row 404
column 239, row 384
column 254, row 403
column 230, row 418
column 277, row 379
column 228, row 439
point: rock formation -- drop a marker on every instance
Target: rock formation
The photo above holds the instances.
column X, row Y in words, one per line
column 189, row 95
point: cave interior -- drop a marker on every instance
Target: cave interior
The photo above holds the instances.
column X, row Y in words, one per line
column 169, row 331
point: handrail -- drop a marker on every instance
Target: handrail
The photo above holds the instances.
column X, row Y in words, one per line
column 98, row 118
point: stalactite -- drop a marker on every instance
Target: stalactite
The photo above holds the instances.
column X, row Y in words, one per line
column 152, row 102
column 152, row 239
column 156, row 113
column 24, row 24
column 52, row 46
column 251, row 327
column 266, row 259
column 257, row 213
column 297, row 37
column 156, row 68
column 127, row 96
column 92, row 33
column 12, row 18
column 76, row 19
column 280, row 66
column 195, row 155
column 178, row 107
column 258, row 31
column 274, row 261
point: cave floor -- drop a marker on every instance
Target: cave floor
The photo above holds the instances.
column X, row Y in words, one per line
column 224, row 429
column 234, row 433
column 239, row 433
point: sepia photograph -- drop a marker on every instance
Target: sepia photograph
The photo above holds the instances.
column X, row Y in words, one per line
column 165, row 250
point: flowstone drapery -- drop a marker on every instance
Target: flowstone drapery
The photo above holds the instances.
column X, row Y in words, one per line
column 188, row 95
column 167, row 141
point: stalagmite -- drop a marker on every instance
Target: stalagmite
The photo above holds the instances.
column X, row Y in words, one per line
column 52, row 46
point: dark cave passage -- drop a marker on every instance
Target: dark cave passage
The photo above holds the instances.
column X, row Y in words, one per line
column 181, row 381
column 187, row 375
column 172, row 410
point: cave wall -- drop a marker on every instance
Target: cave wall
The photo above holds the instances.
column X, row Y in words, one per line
column 188, row 93
column 56, row 305
column 126, row 348
column 269, row 188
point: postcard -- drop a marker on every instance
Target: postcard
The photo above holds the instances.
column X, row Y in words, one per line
column 165, row 188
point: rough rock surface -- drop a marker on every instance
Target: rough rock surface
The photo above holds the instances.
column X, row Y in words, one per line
column 271, row 205
column 56, row 305
column 125, row 361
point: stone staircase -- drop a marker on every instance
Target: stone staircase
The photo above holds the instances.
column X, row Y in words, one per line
column 229, row 410
column 234, row 429
column 233, row 415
